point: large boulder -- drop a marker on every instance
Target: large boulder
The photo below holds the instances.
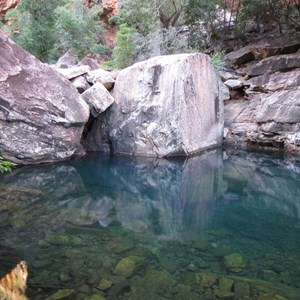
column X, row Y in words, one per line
column 41, row 114
column 166, row 106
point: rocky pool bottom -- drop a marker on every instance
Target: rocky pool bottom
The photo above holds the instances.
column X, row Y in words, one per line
column 222, row 225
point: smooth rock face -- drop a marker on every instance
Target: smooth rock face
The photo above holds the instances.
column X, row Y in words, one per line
column 98, row 98
column 276, row 63
column 101, row 76
column 166, row 106
column 41, row 114
column 74, row 72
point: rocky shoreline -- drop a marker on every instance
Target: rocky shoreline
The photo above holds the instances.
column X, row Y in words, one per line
column 263, row 108
column 165, row 106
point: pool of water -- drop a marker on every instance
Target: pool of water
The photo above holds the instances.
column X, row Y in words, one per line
column 222, row 225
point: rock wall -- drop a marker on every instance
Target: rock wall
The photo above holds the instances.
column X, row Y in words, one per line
column 166, row 106
column 42, row 116
column 264, row 108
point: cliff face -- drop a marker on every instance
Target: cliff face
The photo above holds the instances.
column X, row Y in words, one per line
column 264, row 106
column 5, row 5
column 110, row 8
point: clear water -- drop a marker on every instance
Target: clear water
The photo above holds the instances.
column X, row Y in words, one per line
column 222, row 225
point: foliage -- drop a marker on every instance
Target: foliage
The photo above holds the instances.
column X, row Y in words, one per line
column 35, row 22
column 6, row 166
column 124, row 52
column 211, row 21
column 148, row 28
column 202, row 18
column 217, row 59
column 79, row 29
column 47, row 29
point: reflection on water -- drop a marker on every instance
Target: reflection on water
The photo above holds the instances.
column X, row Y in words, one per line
column 223, row 225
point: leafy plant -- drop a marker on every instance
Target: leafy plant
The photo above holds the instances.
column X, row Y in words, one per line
column 217, row 59
column 6, row 166
column 124, row 51
column 32, row 26
column 79, row 28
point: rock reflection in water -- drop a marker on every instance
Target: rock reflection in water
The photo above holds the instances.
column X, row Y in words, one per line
column 218, row 213
column 163, row 197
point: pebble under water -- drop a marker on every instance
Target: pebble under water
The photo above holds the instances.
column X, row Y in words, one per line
column 221, row 225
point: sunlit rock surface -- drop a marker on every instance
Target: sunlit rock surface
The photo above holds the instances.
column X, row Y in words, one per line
column 166, row 106
column 41, row 114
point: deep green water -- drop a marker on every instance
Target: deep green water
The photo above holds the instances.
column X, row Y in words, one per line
column 222, row 225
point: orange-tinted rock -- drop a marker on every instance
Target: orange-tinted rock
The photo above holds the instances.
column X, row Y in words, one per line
column 5, row 5
column 110, row 8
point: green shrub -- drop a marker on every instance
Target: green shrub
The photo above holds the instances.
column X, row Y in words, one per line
column 35, row 22
column 217, row 59
column 79, row 29
column 124, row 53
column 6, row 166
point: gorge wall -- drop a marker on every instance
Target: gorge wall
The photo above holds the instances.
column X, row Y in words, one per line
column 263, row 110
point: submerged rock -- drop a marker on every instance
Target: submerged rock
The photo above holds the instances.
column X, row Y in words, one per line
column 128, row 265
column 172, row 107
column 235, row 262
column 41, row 113
column 66, row 294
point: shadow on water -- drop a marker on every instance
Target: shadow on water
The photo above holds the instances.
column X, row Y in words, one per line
column 109, row 226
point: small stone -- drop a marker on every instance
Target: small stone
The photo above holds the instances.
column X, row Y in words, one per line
column 206, row 280
column 234, row 84
column 102, row 76
column 127, row 265
column 286, row 277
column 225, row 284
column 104, row 284
column 63, row 294
column 235, row 262
column 241, row 289
column 192, row 267
column 74, row 71
column 64, row 277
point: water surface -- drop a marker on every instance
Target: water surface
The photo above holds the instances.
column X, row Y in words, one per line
column 222, row 225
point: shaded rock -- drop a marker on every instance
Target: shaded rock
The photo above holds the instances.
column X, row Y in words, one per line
column 74, row 71
column 41, row 113
column 275, row 63
column 275, row 47
column 280, row 107
column 67, row 60
column 98, row 98
column 172, row 107
column 241, row 56
column 63, row 294
column 88, row 61
column 81, row 84
column 276, row 81
column 234, row 84
column 102, row 77
column 95, row 135
column 235, row 262
column 227, row 74
column 269, row 121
